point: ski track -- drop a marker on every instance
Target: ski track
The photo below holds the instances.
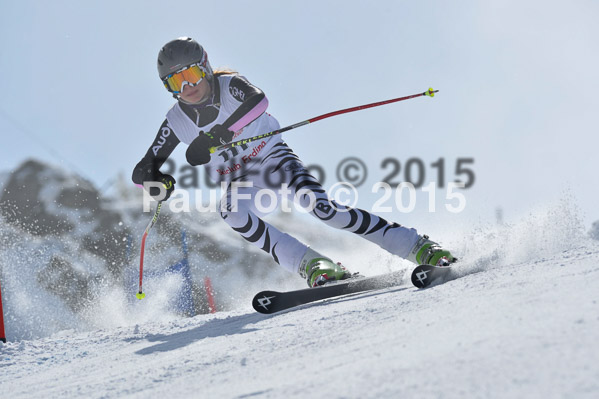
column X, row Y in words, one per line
column 525, row 330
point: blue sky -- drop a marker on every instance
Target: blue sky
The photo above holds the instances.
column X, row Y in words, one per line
column 518, row 87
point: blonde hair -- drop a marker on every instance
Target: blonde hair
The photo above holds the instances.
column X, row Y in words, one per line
column 224, row 71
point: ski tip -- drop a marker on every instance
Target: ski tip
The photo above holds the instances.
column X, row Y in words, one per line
column 425, row 275
column 140, row 295
column 263, row 302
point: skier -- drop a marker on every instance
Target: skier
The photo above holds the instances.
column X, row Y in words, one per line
column 217, row 107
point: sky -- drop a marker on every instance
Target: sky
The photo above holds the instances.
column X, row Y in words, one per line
column 517, row 83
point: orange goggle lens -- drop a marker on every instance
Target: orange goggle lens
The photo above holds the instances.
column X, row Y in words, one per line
column 191, row 75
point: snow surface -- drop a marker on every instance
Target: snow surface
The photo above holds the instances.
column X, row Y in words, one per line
column 522, row 320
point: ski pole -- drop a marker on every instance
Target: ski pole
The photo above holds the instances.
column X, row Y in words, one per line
column 2, row 333
column 430, row 93
column 140, row 295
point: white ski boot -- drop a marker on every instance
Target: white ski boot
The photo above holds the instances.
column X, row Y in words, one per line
column 319, row 270
column 427, row 252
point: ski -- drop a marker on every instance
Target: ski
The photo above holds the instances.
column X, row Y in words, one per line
column 425, row 275
column 272, row 301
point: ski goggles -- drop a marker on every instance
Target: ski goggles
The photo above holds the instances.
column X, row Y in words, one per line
column 191, row 75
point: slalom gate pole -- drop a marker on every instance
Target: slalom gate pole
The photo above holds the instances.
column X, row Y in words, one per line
column 430, row 93
column 2, row 333
column 210, row 294
column 140, row 295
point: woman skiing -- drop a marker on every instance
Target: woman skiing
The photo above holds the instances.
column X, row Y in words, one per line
column 217, row 107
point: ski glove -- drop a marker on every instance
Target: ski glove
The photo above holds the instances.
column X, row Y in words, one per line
column 198, row 152
column 167, row 181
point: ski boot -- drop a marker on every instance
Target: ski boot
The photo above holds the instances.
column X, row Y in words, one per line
column 427, row 252
column 319, row 270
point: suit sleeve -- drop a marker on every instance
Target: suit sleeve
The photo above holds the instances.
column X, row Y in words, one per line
column 148, row 169
column 253, row 103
